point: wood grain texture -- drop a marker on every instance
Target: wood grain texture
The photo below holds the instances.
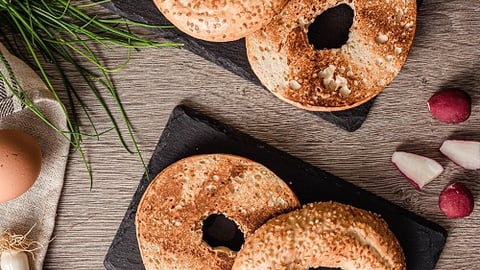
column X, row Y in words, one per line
column 445, row 54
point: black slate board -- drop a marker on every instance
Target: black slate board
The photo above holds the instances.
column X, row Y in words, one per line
column 230, row 55
column 188, row 132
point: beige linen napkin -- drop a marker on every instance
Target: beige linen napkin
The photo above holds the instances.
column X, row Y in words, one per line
column 38, row 206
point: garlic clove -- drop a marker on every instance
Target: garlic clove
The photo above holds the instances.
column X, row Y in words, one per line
column 14, row 260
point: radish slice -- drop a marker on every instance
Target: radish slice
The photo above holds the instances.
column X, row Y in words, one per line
column 419, row 170
column 463, row 152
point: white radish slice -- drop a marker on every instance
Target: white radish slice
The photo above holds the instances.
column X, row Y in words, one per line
column 463, row 152
column 419, row 170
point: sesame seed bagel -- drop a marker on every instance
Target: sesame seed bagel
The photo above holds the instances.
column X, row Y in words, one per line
column 219, row 20
column 334, row 79
column 326, row 234
column 172, row 211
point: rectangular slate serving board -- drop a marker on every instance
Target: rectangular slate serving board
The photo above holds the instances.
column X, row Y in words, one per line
column 189, row 132
column 229, row 55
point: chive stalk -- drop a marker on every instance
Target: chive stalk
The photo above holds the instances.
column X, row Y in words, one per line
column 59, row 32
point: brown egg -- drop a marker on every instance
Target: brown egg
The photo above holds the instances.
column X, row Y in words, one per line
column 20, row 163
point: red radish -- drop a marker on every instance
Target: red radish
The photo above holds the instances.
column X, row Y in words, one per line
column 450, row 106
column 456, row 201
column 419, row 170
column 463, row 152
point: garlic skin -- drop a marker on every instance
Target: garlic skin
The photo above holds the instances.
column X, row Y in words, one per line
column 14, row 260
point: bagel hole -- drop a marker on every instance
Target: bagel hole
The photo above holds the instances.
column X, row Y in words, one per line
column 330, row 29
column 220, row 231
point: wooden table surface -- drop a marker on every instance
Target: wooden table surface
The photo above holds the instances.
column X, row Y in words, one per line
column 445, row 53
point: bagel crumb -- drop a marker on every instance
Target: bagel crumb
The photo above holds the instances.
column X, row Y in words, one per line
column 344, row 91
column 408, row 25
column 302, row 21
column 399, row 14
column 381, row 38
column 328, row 72
column 210, row 188
column 391, row 69
column 271, row 202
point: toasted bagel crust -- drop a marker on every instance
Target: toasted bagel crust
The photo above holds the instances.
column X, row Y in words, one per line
column 326, row 234
column 333, row 79
column 171, row 212
column 219, row 20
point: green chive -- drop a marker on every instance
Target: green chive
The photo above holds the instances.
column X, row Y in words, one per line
column 59, row 32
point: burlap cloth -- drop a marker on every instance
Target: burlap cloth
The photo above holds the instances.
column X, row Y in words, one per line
column 38, row 206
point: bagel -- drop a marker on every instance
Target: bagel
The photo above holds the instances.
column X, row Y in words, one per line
column 219, row 20
column 175, row 205
column 326, row 234
column 334, row 79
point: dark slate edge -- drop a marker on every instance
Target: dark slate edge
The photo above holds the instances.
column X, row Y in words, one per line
column 124, row 249
column 229, row 55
